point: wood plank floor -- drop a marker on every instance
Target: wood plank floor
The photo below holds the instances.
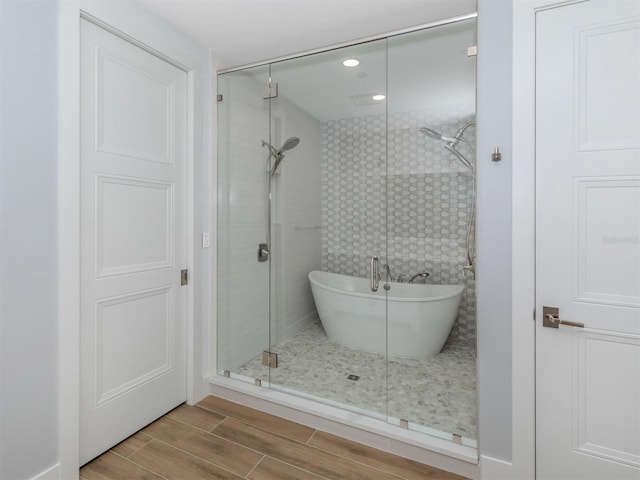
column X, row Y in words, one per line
column 218, row 439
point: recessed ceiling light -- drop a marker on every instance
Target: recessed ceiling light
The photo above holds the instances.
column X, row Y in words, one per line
column 379, row 97
column 351, row 62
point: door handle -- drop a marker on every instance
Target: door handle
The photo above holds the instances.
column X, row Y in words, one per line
column 551, row 319
column 374, row 273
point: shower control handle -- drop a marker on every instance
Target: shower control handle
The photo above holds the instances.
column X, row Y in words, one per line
column 374, row 273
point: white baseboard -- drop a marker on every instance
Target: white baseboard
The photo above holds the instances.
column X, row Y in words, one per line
column 495, row 469
column 51, row 473
column 296, row 327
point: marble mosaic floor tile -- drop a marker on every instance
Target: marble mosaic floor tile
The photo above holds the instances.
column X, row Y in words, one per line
column 439, row 393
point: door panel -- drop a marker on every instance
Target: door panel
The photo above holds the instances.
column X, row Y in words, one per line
column 129, row 240
column 607, row 247
column 133, row 239
column 123, row 324
column 588, row 248
column 147, row 99
column 598, row 393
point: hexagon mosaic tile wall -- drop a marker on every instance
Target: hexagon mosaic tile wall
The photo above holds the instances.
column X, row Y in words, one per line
column 412, row 211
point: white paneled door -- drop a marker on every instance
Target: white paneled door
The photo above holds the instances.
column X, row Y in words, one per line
column 588, row 241
column 133, row 238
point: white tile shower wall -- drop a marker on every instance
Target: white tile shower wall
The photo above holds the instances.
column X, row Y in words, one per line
column 413, row 213
column 243, row 283
column 296, row 242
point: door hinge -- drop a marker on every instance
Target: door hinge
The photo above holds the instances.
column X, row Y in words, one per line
column 263, row 252
column 270, row 359
column 270, row 91
column 184, row 276
column 219, row 97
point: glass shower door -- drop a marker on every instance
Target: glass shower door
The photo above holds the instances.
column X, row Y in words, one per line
column 329, row 220
column 431, row 124
column 354, row 169
column 243, row 288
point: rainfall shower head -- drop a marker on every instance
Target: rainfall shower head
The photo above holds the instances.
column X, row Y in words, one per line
column 430, row 132
column 279, row 154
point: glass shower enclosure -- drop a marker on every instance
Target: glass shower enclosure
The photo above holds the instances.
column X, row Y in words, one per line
column 346, row 191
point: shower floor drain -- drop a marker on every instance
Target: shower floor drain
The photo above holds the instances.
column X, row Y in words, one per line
column 353, row 377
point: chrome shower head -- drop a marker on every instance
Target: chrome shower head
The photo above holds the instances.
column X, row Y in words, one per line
column 450, row 143
column 289, row 144
column 279, row 154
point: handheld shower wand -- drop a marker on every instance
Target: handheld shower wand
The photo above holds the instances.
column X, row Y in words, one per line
column 458, row 136
column 450, row 144
column 277, row 155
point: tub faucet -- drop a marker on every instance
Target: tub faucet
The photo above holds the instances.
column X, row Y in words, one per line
column 419, row 275
column 470, row 268
column 387, row 272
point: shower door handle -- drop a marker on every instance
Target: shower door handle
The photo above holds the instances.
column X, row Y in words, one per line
column 374, row 273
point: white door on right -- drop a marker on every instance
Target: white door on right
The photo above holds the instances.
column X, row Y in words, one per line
column 588, row 241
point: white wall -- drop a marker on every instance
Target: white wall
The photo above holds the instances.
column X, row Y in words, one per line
column 28, row 232
column 494, row 229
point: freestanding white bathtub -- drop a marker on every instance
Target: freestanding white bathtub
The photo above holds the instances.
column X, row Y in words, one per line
column 420, row 316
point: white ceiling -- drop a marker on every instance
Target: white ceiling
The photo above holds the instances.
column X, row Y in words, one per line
column 246, row 31
column 427, row 70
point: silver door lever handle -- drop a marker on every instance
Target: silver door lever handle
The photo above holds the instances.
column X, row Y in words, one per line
column 557, row 322
column 551, row 319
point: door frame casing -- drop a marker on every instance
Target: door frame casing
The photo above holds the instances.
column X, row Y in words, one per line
column 139, row 26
